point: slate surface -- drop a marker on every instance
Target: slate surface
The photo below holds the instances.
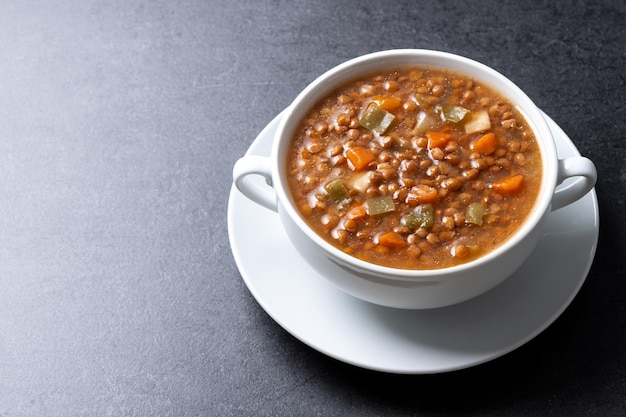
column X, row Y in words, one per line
column 119, row 125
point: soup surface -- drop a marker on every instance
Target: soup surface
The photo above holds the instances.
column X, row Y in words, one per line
column 414, row 168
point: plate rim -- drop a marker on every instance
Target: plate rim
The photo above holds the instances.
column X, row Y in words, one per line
column 593, row 237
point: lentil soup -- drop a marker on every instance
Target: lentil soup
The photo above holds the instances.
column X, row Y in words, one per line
column 414, row 168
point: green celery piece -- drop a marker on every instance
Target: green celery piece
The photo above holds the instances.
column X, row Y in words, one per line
column 422, row 101
column 380, row 205
column 337, row 191
column 421, row 216
column 376, row 119
column 475, row 213
column 452, row 114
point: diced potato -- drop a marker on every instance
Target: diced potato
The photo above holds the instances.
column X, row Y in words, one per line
column 361, row 181
column 479, row 122
column 424, row 122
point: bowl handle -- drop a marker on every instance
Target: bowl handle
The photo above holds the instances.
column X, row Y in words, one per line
column 578, row 166
column 262, row 194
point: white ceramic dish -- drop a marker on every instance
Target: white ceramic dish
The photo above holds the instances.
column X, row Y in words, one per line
column 412, row 288
column 413, row 341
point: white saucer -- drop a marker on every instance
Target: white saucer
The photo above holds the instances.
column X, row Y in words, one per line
column 412, row 341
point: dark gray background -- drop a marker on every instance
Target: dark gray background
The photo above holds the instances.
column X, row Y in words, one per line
column 119, row 125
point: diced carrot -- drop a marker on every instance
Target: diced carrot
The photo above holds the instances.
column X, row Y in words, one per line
column 392, row 240
column 486, row 144
column 357, row 212
column 389, row 103
column 508, row 185
column 360, row 157
column 438, row 139
column 424, row 194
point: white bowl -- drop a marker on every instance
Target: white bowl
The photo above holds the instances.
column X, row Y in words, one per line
column 402, row 288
